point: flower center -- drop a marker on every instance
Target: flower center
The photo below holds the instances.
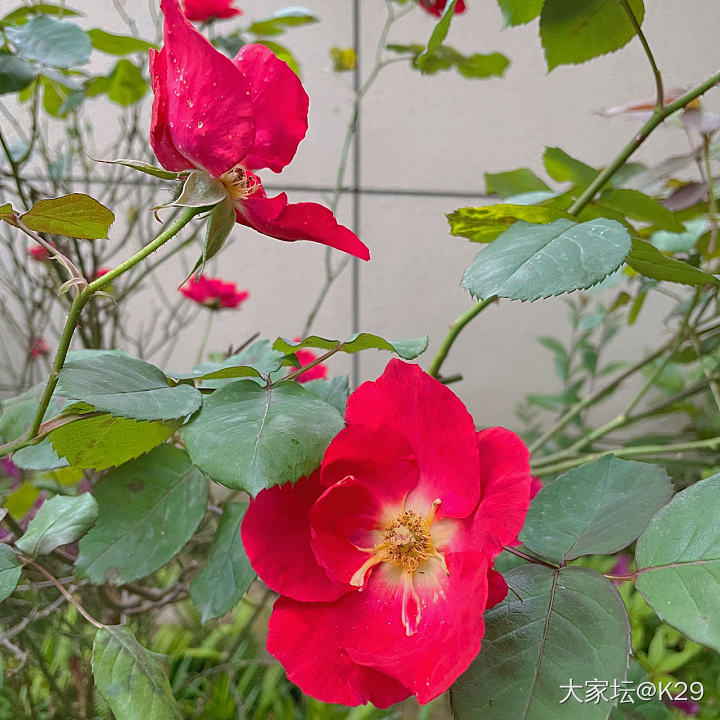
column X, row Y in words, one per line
column 238, row 183
column 407, row 541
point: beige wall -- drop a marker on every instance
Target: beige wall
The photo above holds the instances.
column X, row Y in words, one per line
column 442, row 133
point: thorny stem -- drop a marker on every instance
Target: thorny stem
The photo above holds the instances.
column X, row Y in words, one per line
column 15, row 170
column 312, row 364
column 712, row 200
column 658, row 116
column 455, row 329
column 646, row 47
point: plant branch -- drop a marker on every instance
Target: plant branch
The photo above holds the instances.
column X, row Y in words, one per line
column 312, row 364
column 646, row 47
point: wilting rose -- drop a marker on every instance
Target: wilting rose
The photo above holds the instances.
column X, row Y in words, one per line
column 383, row 556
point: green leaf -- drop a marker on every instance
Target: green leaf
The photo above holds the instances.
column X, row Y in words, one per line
column 15, row 74
column 566, row 624
column 144, row 168
column 678, row 560
column 132, row 680
column 573, row 32
column 59, row 521
column 222, row 221
column 200, row 189
column 335, row 391
column 6, row 212
column 484, row 224
column 104, row 441
column 75, row 215
column 562, row 167
column 595, row 509
column 127, row 387
column 640, row 207
column 343, row 59
column 282, row 53
column 227, row 575
column 126, row 84
column 513, row 182
column 57, row 43
column 439, row 33
column 10, row 571
column 406, row 349
column 519, row 12
column 476, row 66
column 117, row 44
column 17, row 413
column 39, row 457
column 653, row 709
column 249, row 438
column 647, row 260
column 20, row 16
column 528, row 262
column 278, row 22
column 154, row 504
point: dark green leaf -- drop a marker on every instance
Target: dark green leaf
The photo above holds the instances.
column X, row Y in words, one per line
column 75, row 215
column 335, row 391
column 519, row 12
column 573, row 32
column 653, row 709
column 640, row 207
column 678, row 560
column 154, row 504
column 57, row 43
column 59, row 521
column 126, row 84
column 528, row 262
column 248, row 437
column 406, row 349
column 143, row 167
column 484, row 224
column 595, row 509
column 125, row 386
column 647, row 260
column 562, row 167
column 513, row 182
column 566, row 624
column 17, row 413
column 439, row 33
column 20, row 16
column 132, row 680
column 15, row 74
column 10, row 571
column 227, row 575
column 104, row 441
column 117, row 44
column 278, row 22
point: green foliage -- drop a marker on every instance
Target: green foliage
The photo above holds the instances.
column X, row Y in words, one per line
column 650, row 262
column 10, row 571
column 477, row 65
column 200, row 190
column 552, row 626
column 513, row 182
column 573, row 32
column 39, row 457
column 227, row 575
column 76, row 215
column 104, row 441
column 132, row 680
column 117, row 44
column 335, row 391
column 153, row 504
column 15, row 73
column 596, row 509
column 128, row 387
column 60, row 520
column 144, row 168
column 343, row 59
column 438, row 35
column 57, row 43
column 562, row 167
column 519, row 12
column 249, row 438
column 484, row 224
column 681, row 579
column 528, row 262
column 407, row 349
column 222, row 221
column 281, row 20
column 126, row 84
column 21, row 15
column 640, row 207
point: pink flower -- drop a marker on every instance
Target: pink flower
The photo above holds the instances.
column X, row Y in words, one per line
column 204, row 10
column 436, row 7
column 38, row 347
column 213, row 292
column 319, row 372
column 383, row 556
column 39, row 253
column 100, row 272
column 230, row 118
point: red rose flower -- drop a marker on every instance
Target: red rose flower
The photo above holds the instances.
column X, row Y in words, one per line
column 230, row 118
column 305, row 357
column 38, row 347
column 39, row 253
column 436, row 7
column 203, row 10
column 383, row 556
column 214, row 293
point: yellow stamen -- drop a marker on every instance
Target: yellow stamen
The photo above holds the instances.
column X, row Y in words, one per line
column 238, row 183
